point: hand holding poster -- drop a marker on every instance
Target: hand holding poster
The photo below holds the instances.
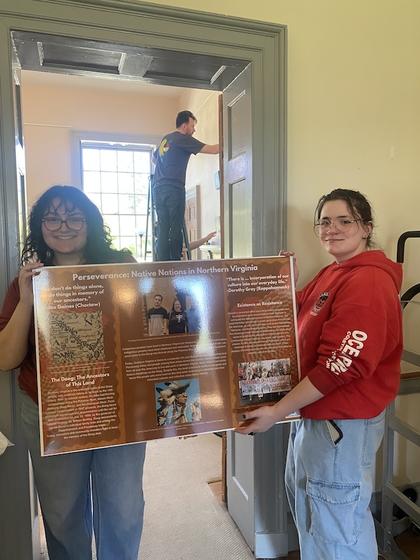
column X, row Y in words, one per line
column 132, row 352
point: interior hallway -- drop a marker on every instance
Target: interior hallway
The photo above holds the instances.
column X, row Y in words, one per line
column 184, row 518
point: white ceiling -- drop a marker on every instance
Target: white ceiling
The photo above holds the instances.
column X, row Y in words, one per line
column 109, row 82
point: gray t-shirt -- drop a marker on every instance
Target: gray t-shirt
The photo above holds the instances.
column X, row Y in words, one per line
column 171, row 159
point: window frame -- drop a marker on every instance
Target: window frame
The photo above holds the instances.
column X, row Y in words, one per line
column 76, row 147
column 82, row 140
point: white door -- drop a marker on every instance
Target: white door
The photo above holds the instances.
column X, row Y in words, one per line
column 237, row 146
column 255, row 464
column 237, row 162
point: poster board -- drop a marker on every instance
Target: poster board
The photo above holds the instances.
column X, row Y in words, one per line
column 120, row 361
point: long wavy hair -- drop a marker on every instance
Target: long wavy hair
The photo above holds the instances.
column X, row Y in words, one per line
column 98, row 244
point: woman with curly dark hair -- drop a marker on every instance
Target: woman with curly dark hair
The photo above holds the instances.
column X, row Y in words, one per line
column 82, row 210
column 67, row 229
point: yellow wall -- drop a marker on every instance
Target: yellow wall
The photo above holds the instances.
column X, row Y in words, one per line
column 353, row 94
column 353, row 121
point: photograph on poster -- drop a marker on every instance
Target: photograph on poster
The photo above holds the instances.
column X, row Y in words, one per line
column 172, row 309
column 178, row 402
column 264, row 381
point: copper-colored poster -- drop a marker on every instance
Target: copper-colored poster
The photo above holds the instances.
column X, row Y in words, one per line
column 132, row 352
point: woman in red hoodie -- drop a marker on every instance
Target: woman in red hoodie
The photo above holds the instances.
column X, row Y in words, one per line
column 350, row 338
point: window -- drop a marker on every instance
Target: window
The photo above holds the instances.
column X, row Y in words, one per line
column 116, row 179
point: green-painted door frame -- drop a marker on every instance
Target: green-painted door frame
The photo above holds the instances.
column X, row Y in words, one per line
column 145, row 25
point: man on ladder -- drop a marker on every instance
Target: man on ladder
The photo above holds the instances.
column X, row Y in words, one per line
column 171, row 160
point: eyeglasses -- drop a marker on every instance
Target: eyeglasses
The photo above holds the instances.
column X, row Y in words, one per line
column 72, row 223
column 341, row 224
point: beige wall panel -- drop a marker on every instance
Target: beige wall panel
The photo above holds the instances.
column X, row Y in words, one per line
column 47, row 158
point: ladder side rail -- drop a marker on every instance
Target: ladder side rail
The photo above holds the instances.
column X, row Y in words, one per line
column 387, row 475
column 153, row 218
column 410, row 384
column 404, row 503
column 147, row 218
column 405, row 430
column 186, row 240
column 401, row 243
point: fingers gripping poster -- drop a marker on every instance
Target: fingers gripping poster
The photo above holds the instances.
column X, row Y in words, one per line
column 132, row 352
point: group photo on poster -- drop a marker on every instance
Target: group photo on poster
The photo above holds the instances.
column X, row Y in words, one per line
column 264, row 381
column 175, row 312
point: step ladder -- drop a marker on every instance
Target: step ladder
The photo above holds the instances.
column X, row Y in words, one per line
column 152, row 226
column 410, row 384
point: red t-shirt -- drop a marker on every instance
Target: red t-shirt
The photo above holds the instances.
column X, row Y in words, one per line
column 27, row 374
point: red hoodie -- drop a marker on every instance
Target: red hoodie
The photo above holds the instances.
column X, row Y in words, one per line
column 350, row 336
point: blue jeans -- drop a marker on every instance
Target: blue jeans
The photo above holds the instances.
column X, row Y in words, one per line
column 329, row 487
column 170, row 209
column 68, row 485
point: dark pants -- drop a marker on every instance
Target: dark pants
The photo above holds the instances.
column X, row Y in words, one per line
column 170, row 209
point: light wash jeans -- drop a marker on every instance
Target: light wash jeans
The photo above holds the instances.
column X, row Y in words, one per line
column 68, row 485
column 329, row 487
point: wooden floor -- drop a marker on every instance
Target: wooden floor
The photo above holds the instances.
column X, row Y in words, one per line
column 409, row 543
